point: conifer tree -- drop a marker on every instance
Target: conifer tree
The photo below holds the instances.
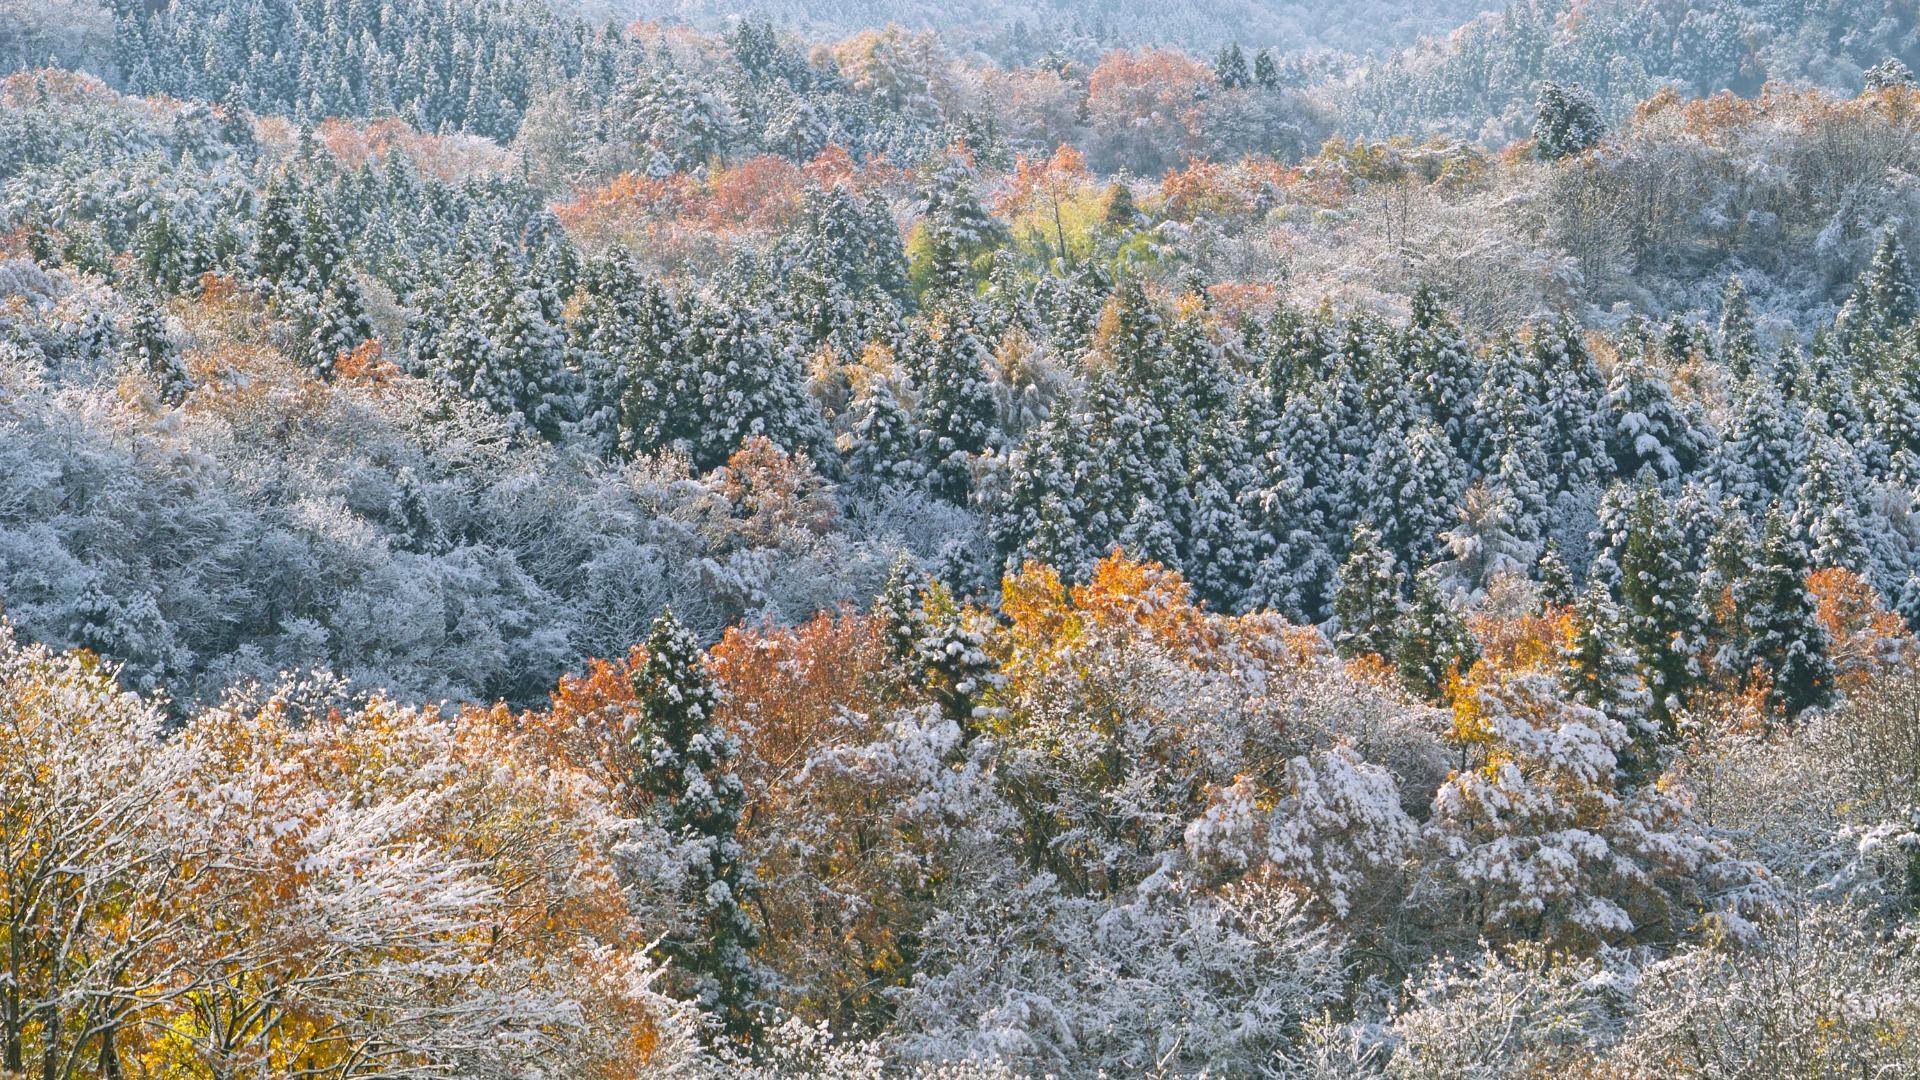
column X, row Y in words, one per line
column 1649, row 428
column 958, row 230
column 1431, row 640
column 1412, row 485
column 155, row 352
column 498, row 348
column 882, row 446
column 1657, row 600
column 1230, row 68
column 686, row 766
column 1832, row 511
column 1884, row 301
column 930, row 642
column 747, row 384
column 1730, row 556
column 1784, row 638
column 1046, row 515
column 1266, row 74
column 1367, row 601
column 1759, row 456
column 1566, row 121
column 1572, row 411
column 951, row 369
column 1602, row 672
column 1556, row 579
column 1739, row 340
column 1443, row 371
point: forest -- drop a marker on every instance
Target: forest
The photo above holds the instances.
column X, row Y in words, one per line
column 1086, row 539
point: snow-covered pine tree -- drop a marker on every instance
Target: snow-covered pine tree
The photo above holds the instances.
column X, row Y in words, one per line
column 1649, row 428
column 1411, row 485
column 152, row 349
column 748, row 383
column 1657, row 598
column 1739, row 340
column 951, row 369
column 1431, row 640
column 1832, row 505
column 1884, row 300
column 1566, row 121
column 1368, row 600
column 1443, row 371
column 882, row 447
column 1759, row 455
column 1784, row 638
column 1572, row 412
column 686, row 767
column 499, row 349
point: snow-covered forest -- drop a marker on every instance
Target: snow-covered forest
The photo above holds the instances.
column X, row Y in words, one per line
column 1093, row 539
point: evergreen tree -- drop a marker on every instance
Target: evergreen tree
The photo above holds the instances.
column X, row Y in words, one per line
column 1657, row 598
column 499, row 349
column 1045, row 515
column 1832, row 508
column 882, row 447
column 1566, row 121
column 1556, row 579
column 952, row 370
column 154, row 351
column 1444, row 372
column 686, row 767
column 1367, row 600
column 1602, row 672
column 1884, row 301
column 1784, row 638
column 1432, row 642
column 627, row 339
column 1759, row 454
column 1649, row 428
column 1412, row 485
column 1230, row 68
column 1266, row 74
column 957, row 229
column 277, row 231
column 746, row 384
column 1730, row 556
column 1573, row 411
column 1739, row 340
column 931, row 644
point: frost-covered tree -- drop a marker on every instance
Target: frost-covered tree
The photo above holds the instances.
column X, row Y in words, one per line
column 1657, row 601
column 685, row 763
column 1784, row 638
column 1368, row 600
column 1566, row 121
column 1431, row 640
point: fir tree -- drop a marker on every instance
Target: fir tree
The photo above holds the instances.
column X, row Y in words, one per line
column 154, row 351
column 1650, row 430
column 1266, row 74
column 1784, row 638
column 882, row 446
column 1658, row 602
column 1739, row 340
column 1602, row 672
column 956, row 414
column 1230, row 68
column 686, row 767
column 1566, row 121
column 1884, row 301
column 1412, row 485
column 1431, row 640
column 1367, row 601
column 1759, row 454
